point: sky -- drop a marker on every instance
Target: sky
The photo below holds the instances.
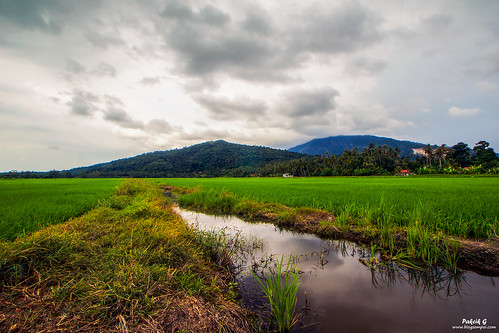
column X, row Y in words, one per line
column 84, row 82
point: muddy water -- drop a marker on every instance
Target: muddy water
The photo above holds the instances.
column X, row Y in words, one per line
column 340, row 294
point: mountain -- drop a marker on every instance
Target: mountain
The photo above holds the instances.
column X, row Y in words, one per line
column 213, row 158
column 337, row 144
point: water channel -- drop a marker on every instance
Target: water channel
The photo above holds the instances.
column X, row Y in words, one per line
column 338, row 293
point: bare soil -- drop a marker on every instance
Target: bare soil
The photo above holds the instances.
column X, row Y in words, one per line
column 30, row 309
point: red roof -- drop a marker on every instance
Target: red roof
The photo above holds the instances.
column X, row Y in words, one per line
column 404, row 171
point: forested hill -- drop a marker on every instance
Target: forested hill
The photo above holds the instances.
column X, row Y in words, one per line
column 337, row 144
column 208, row 159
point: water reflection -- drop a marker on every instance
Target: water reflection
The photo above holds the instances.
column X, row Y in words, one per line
column 436, row 281
column 340, row 293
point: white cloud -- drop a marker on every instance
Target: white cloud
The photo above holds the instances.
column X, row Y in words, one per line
column 460, row 112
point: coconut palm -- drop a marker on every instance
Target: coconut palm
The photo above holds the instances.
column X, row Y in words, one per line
column 429, row 154
column 440, row 153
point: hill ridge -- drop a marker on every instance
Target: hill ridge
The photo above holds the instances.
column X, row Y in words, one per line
column 339, row 143
column 206, row 159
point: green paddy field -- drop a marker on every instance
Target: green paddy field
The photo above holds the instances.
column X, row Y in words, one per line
column 459, row 206
column 31, row 204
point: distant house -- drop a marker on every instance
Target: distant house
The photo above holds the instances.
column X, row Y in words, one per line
column 404, row 172
column 287, row 175
column 467, row 169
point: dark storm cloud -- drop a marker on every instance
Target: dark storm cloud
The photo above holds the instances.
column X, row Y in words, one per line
column 113, row 112
column 345, row 29
column 116, row 115
column 231, row 110
column 33, row 15
column 177, row 10
column 207, row 14
column 213, row 16
column 257, row 21
column 121, row 118
column 309, row 103
column 83, row 103
column 208, row 41
column 240, row 55
column 308, row 112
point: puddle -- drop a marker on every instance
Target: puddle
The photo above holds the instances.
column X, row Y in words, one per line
column 340, row 294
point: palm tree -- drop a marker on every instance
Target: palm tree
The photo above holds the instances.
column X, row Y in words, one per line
column 429, row 154
column 440, row 152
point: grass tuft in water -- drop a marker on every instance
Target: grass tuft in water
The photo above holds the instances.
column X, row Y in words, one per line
column 281, row 287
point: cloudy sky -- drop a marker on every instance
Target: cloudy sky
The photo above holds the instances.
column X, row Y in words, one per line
column 90, row 81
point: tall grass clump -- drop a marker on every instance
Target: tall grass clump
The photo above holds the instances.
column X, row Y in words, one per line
column 432, row 248
column 219, row 201
column 280, row 285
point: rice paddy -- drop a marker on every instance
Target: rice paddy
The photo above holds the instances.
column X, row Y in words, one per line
column 29, row 205
column 466, row 207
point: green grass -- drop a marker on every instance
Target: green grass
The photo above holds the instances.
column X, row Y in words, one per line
column 131, row 262
column 428, row 212
column 31, row 204
column 459, row 206
column 280, row 285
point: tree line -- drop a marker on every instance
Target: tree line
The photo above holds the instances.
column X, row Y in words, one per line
column 384, row 160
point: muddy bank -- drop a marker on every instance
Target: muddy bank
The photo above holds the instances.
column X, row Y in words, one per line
column 480, row 256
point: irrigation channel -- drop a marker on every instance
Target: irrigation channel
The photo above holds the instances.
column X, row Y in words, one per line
column 340, row 293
